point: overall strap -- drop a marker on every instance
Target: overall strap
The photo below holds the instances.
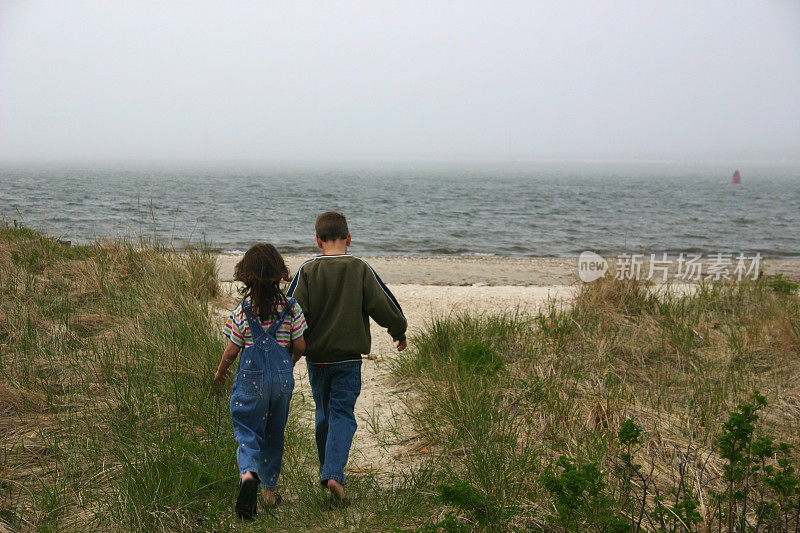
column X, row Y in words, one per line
column 275, row 326
column 255, row 323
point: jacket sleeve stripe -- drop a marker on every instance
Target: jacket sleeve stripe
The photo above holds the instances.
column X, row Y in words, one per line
column 293, row 284
column 385, row 288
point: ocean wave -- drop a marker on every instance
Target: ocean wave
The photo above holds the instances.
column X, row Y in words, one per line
column 540, row 213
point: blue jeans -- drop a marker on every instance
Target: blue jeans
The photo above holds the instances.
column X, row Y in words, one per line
column 335, row 389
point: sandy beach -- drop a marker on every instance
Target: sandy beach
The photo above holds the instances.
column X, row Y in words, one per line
column 486, row 271
column 429, row 287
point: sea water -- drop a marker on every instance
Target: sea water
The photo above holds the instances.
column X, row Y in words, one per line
column 504, row 209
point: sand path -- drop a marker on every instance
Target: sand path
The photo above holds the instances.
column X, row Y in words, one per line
column 383, row 433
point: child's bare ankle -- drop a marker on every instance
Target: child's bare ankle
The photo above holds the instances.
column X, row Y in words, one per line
column 336, row 488
column 269, row 496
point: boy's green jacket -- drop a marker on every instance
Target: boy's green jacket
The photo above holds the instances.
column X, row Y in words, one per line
column 338, row 294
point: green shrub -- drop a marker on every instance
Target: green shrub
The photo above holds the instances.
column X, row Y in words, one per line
column 581, row 498
column 761, row 482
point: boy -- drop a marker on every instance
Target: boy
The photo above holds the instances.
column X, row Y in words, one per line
column 338, row 293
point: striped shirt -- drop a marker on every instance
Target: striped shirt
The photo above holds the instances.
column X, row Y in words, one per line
column 238, row 331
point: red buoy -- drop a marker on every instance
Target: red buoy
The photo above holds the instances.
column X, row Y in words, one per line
column 737, row 178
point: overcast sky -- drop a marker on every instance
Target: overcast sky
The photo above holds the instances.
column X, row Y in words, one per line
column 380, row 80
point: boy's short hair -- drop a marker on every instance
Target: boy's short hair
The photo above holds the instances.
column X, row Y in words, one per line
column 331, row 226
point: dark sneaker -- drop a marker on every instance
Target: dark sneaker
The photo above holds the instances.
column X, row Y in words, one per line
column 247, row 500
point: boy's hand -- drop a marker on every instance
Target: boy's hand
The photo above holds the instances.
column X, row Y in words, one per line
column 401, row 345
column 295, row 358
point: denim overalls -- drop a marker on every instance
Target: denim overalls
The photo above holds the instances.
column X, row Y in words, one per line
column 260, row 400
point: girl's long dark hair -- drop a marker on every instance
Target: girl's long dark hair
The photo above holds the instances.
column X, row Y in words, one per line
column 261, row 270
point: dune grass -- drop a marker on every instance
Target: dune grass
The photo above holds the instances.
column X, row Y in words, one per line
column 107, row 411
column 108, row 417
column 612, row 414
column 558, row 421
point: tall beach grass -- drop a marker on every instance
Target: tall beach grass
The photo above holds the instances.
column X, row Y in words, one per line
column 611, row 413
column 109, row 420
column 608, row 413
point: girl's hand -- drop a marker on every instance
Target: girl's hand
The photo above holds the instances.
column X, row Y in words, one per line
column 228, row 357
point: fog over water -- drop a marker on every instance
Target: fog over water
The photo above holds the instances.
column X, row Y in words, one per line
column 309, row 81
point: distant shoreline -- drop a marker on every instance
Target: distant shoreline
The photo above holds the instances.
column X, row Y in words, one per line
column 490, row 271
column 789, row 256
column 383, row 254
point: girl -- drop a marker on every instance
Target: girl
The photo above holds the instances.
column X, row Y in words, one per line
column 266, row 324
